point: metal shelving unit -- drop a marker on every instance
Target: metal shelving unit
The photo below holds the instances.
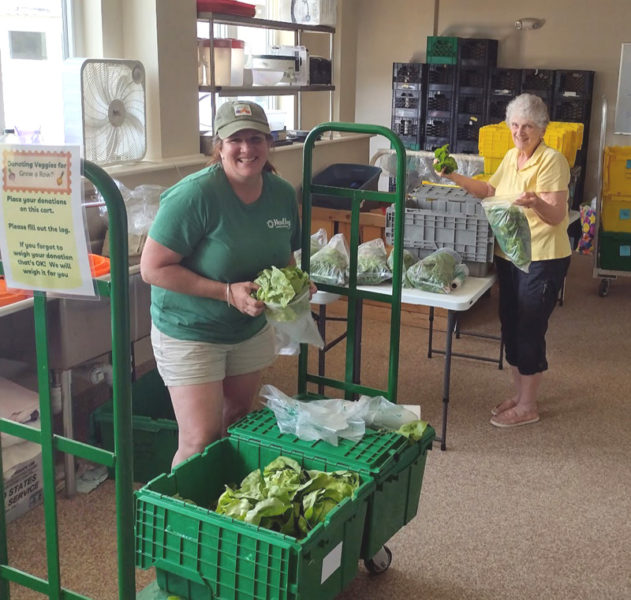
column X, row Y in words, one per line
column 606, row 276
column 285, row 90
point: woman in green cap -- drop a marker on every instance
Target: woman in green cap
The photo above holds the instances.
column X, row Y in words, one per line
column 214, row 232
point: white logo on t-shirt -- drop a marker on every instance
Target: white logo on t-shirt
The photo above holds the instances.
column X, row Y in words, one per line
column 283, row 223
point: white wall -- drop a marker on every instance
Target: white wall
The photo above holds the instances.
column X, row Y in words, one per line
column 578, row 34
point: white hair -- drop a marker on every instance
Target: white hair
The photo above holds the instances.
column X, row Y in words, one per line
column 530, row 107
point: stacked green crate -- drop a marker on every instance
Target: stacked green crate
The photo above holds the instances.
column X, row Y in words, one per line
column 202, row 555
column 154, row 429
column 396, row 465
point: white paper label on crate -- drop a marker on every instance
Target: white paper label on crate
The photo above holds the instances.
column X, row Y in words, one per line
column 331, row 562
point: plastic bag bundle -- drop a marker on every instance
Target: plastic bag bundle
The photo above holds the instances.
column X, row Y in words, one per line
column 293, row 324
column 333, row 418
column 510, row 228
column 330, row 264
column 317, row 242
column 408, row 260
column 437, row 271
column 141, row 205
column 372, row 263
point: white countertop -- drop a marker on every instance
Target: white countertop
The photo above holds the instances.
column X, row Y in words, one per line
column 28, row 302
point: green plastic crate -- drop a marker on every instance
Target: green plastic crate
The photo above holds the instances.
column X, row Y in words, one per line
column 202, row 555
column 396, row 465
column 442, row 50
column 154, row 429
column 614, row 250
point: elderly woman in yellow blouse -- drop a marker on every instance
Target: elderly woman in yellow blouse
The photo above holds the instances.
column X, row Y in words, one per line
column 539, row 176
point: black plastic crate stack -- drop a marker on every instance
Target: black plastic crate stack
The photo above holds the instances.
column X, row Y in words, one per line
column 572, row 101
column 539, row 82
column 408, row 103
column 504, row 85
column 475, row 58
column 440, row 102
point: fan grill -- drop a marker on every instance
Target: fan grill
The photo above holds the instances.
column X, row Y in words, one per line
column 113, row 104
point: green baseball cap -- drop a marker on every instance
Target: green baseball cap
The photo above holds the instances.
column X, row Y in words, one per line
column 236, row 115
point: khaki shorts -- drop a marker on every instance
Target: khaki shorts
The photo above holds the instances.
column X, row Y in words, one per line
column 185, row 362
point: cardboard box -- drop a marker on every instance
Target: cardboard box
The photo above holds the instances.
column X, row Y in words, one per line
column 23, row 478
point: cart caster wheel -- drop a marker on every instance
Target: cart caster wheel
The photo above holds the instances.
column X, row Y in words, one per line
column 380, row 561
column 603, row 288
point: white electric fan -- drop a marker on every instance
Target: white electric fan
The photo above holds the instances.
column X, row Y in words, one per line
column 104, row 108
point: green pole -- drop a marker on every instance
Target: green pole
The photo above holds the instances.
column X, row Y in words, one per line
column 121, row 384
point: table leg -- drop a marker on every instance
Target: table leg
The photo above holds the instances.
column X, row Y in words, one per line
column 65, row 378
column 322, row 352
column 431, row 332
column 451, row 321
column 357, row 362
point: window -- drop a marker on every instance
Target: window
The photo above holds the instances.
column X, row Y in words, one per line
column 31, row 57
column 27, row 45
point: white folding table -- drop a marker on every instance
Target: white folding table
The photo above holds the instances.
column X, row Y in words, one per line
column 458, row 300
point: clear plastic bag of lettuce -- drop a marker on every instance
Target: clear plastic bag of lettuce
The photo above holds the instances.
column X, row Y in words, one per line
column 510, row 228
column 436, row 272
column 372, row 263
column 287, row 308
column 409, row 259
column 317, row 241
column 330, row 264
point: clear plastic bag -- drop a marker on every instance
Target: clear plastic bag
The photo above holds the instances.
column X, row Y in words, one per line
column 141, row 205
column 510, row 228
column 330, row 264
column 318, row 241
column 436, row 272
column 293, row 324
column 333, row 418
column 372, row 263
column 408, row 260
column 462, row 272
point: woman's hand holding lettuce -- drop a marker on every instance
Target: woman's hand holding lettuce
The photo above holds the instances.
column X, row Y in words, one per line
column 285, row 293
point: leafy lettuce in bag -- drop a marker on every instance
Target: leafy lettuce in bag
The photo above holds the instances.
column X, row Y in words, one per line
column 372, row 263
column 436, row 272
column 287, row 308
column 408, row 260
column 280, row 286
column 510, row 228
column 330, row 264
column 317, row 241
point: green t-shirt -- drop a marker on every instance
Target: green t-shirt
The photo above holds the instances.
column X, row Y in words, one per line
column 223, row 239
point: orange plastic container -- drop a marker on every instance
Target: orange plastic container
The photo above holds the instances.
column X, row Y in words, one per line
column 99, row 265
column 10, row 297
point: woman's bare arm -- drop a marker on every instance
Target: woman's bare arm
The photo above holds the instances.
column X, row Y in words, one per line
column 550, row 207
